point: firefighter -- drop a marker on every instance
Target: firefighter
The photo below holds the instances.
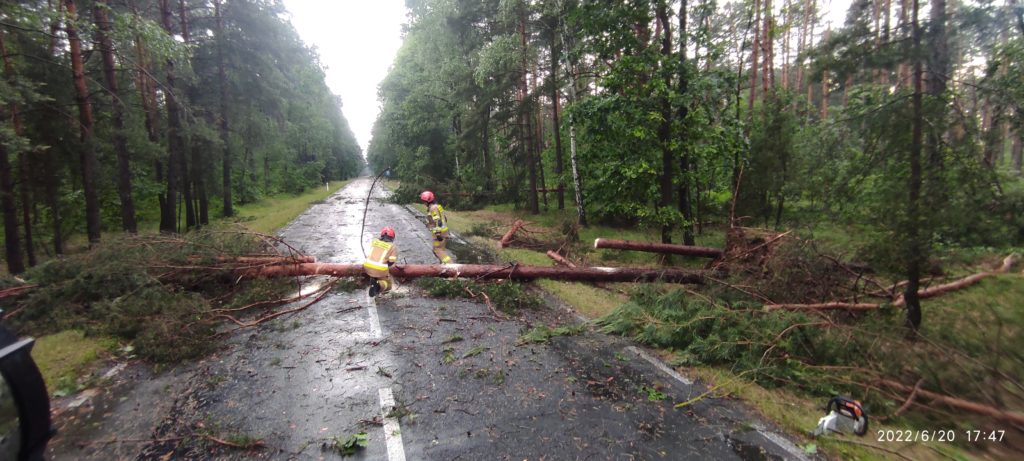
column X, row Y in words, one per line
column 438, row 225
column 383, row 254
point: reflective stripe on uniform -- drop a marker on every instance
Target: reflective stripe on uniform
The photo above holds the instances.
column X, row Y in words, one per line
column 438, row 230
column 375, row 265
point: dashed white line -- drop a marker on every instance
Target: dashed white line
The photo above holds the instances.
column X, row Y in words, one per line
column 375, row 329
column 392, row 431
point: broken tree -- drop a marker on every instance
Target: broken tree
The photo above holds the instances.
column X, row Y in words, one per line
column 507, row 238
column 687, row 250
column 477, row 271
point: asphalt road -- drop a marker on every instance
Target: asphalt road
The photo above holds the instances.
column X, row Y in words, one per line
column 424, row 378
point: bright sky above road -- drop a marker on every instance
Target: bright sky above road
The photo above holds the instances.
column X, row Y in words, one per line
column 357, row 41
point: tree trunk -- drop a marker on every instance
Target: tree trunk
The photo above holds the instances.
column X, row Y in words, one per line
column 685, row 179
column 475, row 271
column 665, row 128
column 124, row 171
column 825, row 81
column 651, row 247
column 12, row 241
column 145, row 83
column 87, row 151
column 525, row 115
column 557, row 125
column 1017, row 153
column 507, row 238
column 175, row 144
column 486, row 143
column 754, row 50
column 7, row 184
column 786, row 20
column 914, row 246
column 225, row 133
column 767, row 51
column 581, row 213
column 188, row 172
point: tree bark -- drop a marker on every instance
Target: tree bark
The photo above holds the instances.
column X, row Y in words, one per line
column 685, row 180
column 507, row 238
column 145, row 83
column 175, row 147
column 475, row 271
column 15, row 263
column 560, row 259
column 87, row 151
column 754, row 50
column 961, row 404
column 665, row 128
column 124, row 171
column 581, row 213
column 767, row 51
column 225, row 133
column 687, row 250
column 557, row 125
column 189, row 166
column 914, row 246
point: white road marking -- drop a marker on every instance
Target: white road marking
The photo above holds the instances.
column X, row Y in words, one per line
column 660, row 365
column 392, row 431
column 375, row 330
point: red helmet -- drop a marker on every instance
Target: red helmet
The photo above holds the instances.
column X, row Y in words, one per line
column 427, row 196
column 388, row 232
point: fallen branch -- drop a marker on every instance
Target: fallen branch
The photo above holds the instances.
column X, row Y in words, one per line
column 965, row 282
column 323, row 292
column 507, row 238
column 653, row 247
column 560, row 260
column 15, row 291
column 930, row 292
column 910, row 398
column 518, row 272
column 960, row 404
column 824, row 306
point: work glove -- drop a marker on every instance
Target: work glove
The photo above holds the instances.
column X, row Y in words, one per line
column 439, row 237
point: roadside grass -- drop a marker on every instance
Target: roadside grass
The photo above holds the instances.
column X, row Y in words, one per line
column 272, row 213
column 983, row 321
column 64, row 356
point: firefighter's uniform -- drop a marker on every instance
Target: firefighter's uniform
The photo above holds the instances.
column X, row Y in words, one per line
column 382, row 255
column 438, row 225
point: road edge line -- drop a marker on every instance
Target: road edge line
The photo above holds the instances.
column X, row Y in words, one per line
column 392, row 430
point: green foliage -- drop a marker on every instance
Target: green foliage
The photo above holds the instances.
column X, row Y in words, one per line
column 505, row 296
column 348, row 445
column 544, row 333
column 132, row 289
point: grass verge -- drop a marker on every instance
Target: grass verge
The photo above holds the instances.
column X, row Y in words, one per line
column 272, row 213
column 64, row 358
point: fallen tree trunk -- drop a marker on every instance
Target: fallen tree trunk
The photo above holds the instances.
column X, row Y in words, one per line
column 507, row 238
column 652, row 247
column 960, row 404
column 268, row 259
column 965, row 282
column 930, row 292
column 824, row 306
column 559, row 259
column 591, row 274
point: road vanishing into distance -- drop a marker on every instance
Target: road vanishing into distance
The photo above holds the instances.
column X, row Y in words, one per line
column 424, row 378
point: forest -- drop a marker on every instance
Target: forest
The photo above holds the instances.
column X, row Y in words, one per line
column 139, row 115
column 903, row 120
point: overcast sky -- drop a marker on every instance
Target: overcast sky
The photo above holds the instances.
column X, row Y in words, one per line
column 357, row 41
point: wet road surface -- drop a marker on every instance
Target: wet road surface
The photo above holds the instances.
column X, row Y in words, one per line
column 424, row 378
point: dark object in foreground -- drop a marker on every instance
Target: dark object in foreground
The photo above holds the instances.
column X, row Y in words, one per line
column 516, row 272
column 667, row 248
column 24, row 404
